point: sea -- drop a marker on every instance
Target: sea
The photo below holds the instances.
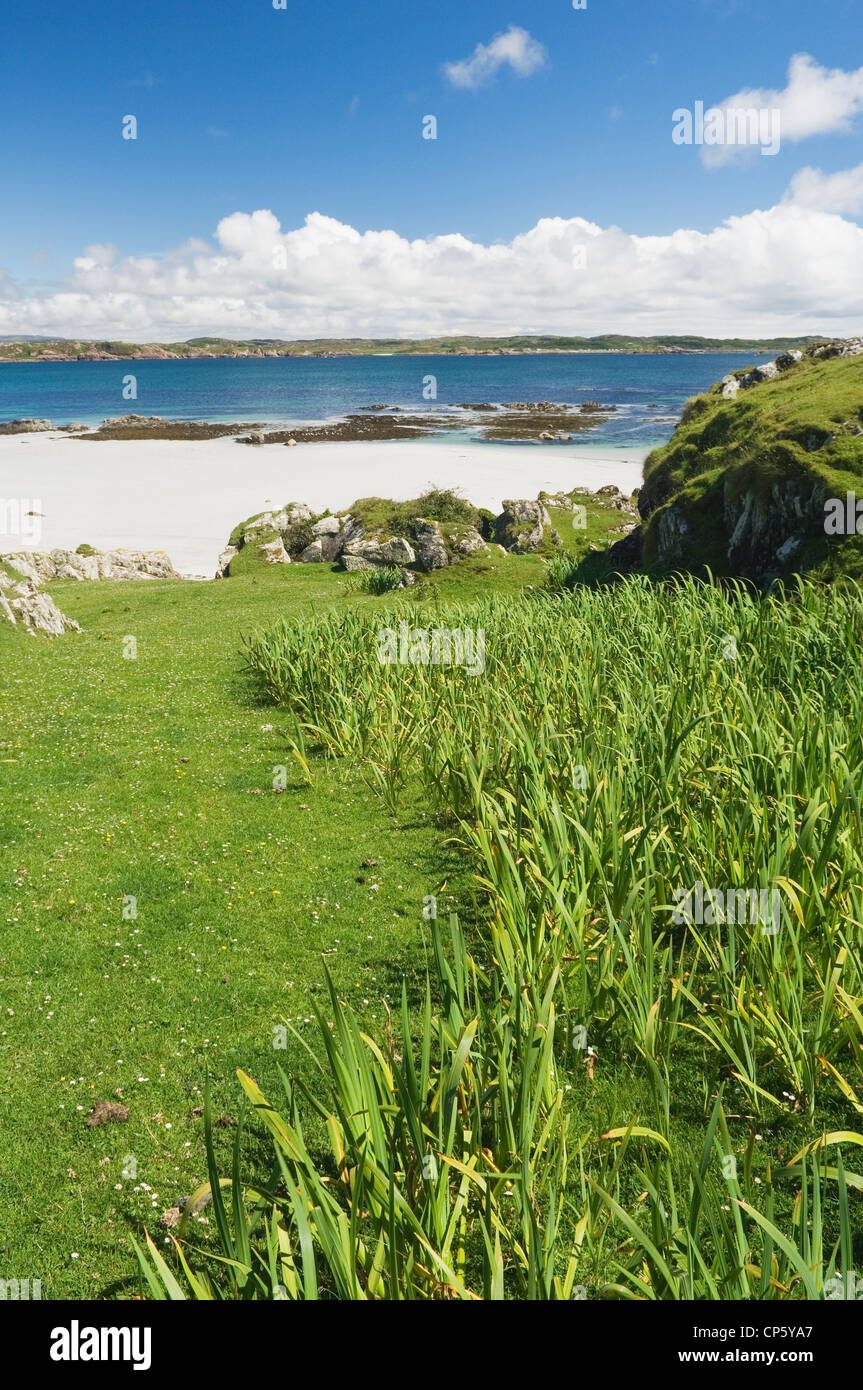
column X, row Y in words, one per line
column 647, row 390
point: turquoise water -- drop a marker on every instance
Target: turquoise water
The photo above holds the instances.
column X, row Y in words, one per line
column 306, row 389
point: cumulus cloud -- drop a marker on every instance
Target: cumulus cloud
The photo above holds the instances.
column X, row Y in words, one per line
column 841, row 192
column 792, row 268
column 816, row 101
column 515, row 49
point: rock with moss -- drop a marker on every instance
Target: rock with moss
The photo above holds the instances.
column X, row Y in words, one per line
column 520, row 528
column 274, row 553
column 742, row 487
column 396, row 552
column 431, row 549
column 223, row 568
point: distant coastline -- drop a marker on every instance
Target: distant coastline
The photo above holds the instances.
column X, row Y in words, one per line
column 37, row 349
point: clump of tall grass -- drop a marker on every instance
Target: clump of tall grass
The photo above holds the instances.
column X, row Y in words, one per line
column 375, row 581
column 561, row 571
column 446, row 1178
column 622, row 747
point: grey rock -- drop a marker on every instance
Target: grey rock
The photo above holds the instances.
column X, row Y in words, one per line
column 223, row 568
column 765, row 372
column 375, row 554
column 788, row 550
column 472, row 543
column 274, row 553
column 520, row 526
column 41, row 566
column 25, row 426
column 38, row 612
column 431, row 550
column 786, row 360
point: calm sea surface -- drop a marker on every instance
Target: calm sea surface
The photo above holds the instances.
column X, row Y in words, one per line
column 310, row 389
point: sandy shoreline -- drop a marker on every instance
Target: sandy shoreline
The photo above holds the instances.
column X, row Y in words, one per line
column 185, row 497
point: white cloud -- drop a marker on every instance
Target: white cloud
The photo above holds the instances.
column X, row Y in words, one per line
column 841, row 192
column 792, row 268
column 516, row 49
column 816, row 101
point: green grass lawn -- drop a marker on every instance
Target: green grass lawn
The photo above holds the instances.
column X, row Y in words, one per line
column 152, row 778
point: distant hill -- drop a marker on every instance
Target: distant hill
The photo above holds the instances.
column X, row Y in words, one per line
column 25, row 348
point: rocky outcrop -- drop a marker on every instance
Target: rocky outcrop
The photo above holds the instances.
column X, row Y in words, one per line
column 520, row 528
column 39, row 613
column 313, row 554
column 274, row 553
column 767, row 529
column 24, row 603
column 288, row 523
column 373, row 554
column 223, row 569
column 471, row 543
column 41, row 566
column 851, row 347
column 612, row 496
column 431, row 548
column 25, row 426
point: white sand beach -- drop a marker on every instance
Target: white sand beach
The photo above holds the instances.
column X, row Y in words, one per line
column 185, row 497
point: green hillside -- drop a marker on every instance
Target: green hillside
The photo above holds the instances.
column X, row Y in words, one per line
column 744, row 485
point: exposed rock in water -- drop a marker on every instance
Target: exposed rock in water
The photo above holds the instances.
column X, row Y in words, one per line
column 25, row 426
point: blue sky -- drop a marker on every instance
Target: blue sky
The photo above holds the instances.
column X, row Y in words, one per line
column 318, row 108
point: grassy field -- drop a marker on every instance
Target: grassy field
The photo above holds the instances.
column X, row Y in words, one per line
column 153, row 779
column 611, row 752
